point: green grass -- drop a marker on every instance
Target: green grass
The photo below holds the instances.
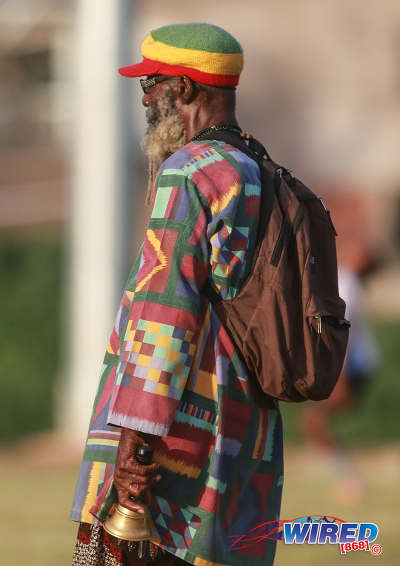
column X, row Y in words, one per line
column 35, row 530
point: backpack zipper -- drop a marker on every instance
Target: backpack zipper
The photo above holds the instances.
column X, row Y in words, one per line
column 319, row 334
column 276, row 254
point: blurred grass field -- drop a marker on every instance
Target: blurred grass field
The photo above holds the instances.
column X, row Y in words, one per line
column 35, row 530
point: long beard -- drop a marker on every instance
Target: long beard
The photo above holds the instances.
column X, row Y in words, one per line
column 164, row 136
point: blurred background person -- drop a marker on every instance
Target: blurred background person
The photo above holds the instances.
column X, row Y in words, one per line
column 360, row 366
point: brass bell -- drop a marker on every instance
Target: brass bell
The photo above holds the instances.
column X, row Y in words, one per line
column 128, row 525
column 124, row 523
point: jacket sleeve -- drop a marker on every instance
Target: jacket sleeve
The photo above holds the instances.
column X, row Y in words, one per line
column 167, row 310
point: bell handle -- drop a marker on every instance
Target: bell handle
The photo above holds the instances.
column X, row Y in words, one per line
column 144, row 454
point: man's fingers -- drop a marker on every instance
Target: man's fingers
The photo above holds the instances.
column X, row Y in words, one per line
column 143, row 480
column 138, row 490
column 126, row 501
column 131, row 466
column 125, row 481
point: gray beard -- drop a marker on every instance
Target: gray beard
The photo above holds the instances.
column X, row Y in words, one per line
column 165, row 134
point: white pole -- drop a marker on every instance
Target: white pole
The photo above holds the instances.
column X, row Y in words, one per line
column 99, row 242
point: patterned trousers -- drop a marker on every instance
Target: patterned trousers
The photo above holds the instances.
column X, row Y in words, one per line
column 95, row 547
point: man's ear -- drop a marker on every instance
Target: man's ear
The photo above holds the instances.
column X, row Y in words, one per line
column 186, row 90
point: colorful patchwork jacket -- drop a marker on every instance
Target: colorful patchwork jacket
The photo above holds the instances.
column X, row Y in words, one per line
column 171, row 370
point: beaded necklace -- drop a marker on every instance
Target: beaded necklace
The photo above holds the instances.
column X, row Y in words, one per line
column 218, row 128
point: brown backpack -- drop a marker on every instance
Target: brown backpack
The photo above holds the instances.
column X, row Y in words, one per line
column 287, row 321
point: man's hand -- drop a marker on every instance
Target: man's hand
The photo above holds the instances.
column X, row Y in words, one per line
column 130, row 477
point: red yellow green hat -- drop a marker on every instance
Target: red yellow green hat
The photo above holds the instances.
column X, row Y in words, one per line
column 206, row 53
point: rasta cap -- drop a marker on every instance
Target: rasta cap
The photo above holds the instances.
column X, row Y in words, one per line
column 206, row 53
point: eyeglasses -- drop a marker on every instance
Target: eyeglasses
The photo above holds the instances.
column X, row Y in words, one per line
column 146, row 84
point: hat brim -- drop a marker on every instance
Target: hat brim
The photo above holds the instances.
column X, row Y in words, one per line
column 149, row 67
column 143, row 69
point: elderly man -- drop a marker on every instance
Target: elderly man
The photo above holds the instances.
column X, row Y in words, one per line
column 171, row 376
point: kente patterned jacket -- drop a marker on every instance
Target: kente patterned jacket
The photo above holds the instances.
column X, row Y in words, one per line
column 171, row 370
